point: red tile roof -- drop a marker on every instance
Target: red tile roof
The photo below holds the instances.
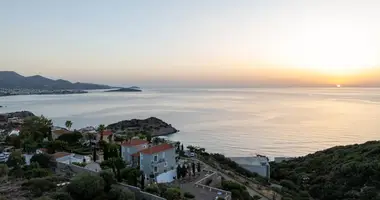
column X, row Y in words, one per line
column 134, row 142
column 157, row 149
column 107, row 132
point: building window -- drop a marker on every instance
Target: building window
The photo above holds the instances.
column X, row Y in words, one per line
column 155, row 158
column 128, row 150
column 155, row 169
column 163, row 154
column 141, row 156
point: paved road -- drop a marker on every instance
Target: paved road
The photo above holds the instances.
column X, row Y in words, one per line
column 251, row 191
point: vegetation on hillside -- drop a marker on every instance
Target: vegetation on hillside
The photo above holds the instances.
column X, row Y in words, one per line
column 342, row 172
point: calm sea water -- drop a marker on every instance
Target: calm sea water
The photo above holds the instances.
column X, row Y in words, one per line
column 236, row 122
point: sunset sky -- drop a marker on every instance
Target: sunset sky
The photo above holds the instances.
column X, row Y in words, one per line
column 196, row 42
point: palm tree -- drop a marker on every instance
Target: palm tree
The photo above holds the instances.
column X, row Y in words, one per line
column 68, row 124
column 101, row 129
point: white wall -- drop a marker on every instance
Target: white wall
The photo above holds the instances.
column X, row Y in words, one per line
column 167, row 177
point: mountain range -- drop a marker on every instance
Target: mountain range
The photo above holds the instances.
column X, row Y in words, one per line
column 13, row 80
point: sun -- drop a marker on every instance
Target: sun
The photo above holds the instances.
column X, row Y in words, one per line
column 338, row 86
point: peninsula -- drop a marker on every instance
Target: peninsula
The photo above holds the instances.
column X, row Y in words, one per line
column 152, row 125
column 130, row 89
column 12, row 83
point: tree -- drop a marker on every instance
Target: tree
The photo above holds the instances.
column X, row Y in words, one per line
column 101, row 129
column 44, row 160
column 109, row 138
column 111, row 151
column 86, row 186
column 129, row 136
column 149, row 137
column 193, row 168
column 3, row 170
column 68, row 124
column 16, row 160
column 183, row 171
column 13, row 140
column 142, row 181
column 109, row 179
column 131, row 175
column 179, row 172
column 29, row 145
column 36, row 128
column 156, row 140
column 199, row 167
column 56, row 145
column 172, row 194
column 116, row 164
column 71, row 138
column 118, row 193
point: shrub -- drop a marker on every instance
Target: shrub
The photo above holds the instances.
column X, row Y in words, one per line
column 3, row 170
column 37, row 173
column 153, row 189
column 61, row 196
column 38, row 186
column 118, row 193
column 79, row 164
column 172, row 194
column 189, row 195
column 44, row 160
column 86, row 186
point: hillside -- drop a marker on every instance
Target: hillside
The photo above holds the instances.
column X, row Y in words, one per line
column 342, row 172
column 13, row 80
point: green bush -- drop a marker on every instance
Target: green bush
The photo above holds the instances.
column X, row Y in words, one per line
column 86, row 186
column 38, row 186
column 189, row 195
column 79, row 164
column 61, row 196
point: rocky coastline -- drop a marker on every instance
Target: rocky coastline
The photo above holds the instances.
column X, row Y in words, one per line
column 15, row 92
column 152, row 125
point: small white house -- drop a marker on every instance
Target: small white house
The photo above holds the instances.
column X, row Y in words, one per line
column 256, row 164
column 68, row 158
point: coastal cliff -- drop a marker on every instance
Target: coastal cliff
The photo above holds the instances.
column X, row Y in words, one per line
column 152, row 125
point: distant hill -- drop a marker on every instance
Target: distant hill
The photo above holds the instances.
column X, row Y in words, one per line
column 13, row 80
column 342, row 172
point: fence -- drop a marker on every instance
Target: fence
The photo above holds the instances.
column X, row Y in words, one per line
column 201, row 183
column 74, row 169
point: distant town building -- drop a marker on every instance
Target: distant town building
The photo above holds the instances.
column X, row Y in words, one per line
column 256, row 164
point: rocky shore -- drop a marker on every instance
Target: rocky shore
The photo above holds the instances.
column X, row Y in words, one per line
column 151, row 125
column 14, row 92
column 19, row 114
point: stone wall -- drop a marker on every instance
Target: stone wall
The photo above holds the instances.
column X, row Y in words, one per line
column 74, row 169
column 214, row 176
column 141, row 194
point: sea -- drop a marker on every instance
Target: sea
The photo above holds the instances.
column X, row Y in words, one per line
column 234, row 121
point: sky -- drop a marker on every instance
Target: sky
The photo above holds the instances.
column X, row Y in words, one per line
column 195, row 42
